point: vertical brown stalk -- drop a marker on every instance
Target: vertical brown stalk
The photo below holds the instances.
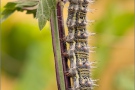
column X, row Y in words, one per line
column 59, row 47
column 62, row 43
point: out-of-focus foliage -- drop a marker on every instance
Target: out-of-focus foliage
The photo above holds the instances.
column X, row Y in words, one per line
column 110, row 29
column 28, row 56
column 37, row 70
column 124, row 79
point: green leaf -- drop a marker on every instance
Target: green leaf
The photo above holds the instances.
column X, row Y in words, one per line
column 11, row 7
column 31, row 12
column 27, row 3
column 6, row 13
column 44, row 10
column 42, row 21
column 40, row 9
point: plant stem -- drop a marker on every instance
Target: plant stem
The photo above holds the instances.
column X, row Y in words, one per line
column 57, row 51
column 63, row 43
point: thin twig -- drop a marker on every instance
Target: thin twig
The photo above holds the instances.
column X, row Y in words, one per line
column 62, row 43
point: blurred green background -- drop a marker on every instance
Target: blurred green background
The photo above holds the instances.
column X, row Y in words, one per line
column 27, row 54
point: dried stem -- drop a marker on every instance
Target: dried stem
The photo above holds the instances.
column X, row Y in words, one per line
column 58, row 32
column 62, row 43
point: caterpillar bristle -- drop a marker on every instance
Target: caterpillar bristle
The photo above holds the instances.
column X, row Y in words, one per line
column 92, row 51
column 92, row 34
column 93, row 62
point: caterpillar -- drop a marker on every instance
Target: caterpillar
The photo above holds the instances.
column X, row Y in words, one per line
column 78, row 53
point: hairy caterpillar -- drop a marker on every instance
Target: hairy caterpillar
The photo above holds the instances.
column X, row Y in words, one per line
column 78, row 53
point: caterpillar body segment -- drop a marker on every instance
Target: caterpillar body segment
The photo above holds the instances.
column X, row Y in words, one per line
column 77, row 38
